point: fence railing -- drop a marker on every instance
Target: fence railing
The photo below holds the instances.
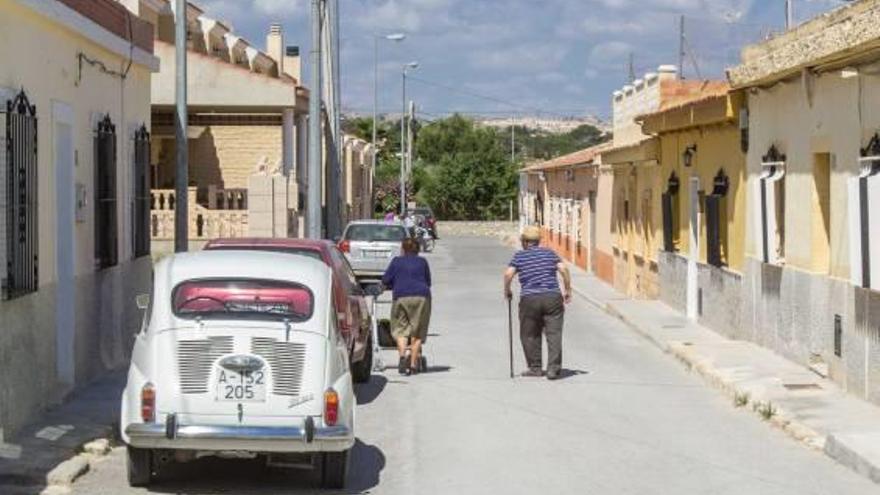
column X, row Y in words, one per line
column 203, row 223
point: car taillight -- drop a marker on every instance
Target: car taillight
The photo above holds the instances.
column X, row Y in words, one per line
column 331, row 407
column 345, row 246
column 148, row 403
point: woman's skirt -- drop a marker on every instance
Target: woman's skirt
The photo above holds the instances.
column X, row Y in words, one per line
column 410, row 317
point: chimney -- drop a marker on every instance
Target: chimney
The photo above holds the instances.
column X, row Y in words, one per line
column 275, row 45
column 292, row 64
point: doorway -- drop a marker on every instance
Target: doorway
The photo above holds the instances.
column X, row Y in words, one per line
column 65, row 246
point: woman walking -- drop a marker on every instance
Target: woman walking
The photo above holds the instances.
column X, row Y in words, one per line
column 409, row 278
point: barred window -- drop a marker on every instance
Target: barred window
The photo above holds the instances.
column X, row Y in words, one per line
column 141, row 210
column 19, row 199
column 670, row 205
column 716, row 221
column 106, row 204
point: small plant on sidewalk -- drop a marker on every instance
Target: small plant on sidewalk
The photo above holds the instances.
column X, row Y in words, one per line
column 766, row 410
column 741, row 399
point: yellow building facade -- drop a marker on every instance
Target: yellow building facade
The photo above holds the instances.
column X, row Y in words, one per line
column 75, row 105
column 702, row 203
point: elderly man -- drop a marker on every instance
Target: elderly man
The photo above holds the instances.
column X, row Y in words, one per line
column 541, row 303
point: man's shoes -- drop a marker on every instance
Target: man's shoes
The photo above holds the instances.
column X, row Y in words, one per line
column 532, row 373
column 403, row 366
column 554, row 374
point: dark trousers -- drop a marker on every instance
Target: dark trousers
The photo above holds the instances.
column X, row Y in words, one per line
column 542, row 313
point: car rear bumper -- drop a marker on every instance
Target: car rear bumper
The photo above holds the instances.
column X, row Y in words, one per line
column 244, row 438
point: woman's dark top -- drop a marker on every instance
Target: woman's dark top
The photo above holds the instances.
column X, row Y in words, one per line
column 408, row 276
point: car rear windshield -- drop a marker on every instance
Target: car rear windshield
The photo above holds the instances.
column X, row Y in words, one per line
column 243, row 299
column 375, row 233
column 311, row 253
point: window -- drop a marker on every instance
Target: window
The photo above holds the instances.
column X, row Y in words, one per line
column 822, row 212
column 671, row 212
column 106, row 229
column 375, row 233
column 248, row 299
column 141, row 210
column 19, row 199
column 716, row 221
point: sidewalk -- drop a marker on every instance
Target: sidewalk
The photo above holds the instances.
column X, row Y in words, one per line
column 48, row 455
column 809, row 408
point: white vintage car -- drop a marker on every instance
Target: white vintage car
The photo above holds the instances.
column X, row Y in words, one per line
column 239, row 354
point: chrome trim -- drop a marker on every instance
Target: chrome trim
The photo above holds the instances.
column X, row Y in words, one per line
column 149, row 431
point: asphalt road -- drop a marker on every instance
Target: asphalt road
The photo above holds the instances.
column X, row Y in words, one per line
column 627, row 419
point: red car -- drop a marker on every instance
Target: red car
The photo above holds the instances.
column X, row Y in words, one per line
column 351, row 304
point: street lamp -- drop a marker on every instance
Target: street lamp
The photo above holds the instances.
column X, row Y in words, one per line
column 376, row 38
column 407, row 67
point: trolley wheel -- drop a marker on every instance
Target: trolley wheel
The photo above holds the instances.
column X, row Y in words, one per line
column 423, row 363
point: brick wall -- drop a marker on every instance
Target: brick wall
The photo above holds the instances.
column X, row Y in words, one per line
column 225, row 155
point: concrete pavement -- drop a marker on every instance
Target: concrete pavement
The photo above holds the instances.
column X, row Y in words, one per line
column 625, row 420
column 806, row 406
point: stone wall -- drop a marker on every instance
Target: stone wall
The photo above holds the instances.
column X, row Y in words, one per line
column 224, row 155
column 719, row 297
column 793, row 313
column 500, row 230
column 823, row 38
column 106, row 319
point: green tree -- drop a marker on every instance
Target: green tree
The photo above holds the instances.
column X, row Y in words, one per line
column 469, row 174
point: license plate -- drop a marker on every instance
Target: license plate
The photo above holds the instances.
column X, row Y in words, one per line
column 376, row 254
column 249, row 386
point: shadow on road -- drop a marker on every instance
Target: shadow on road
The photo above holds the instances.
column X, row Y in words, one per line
column 212, row 475
column 368, row 392
column 568, row 373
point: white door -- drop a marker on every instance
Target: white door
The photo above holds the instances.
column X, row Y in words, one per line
column 65, row 316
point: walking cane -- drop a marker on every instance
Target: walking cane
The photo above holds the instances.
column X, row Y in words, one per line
column 510, row 331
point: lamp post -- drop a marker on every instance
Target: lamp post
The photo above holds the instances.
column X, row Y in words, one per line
column 407, row 67
column 389, row 37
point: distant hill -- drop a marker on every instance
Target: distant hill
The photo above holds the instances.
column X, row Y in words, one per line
column 549, row 125
column 538, row 144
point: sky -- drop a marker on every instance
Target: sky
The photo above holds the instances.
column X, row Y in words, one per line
column 551, row 58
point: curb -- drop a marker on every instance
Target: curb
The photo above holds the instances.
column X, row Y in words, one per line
column 836, row 448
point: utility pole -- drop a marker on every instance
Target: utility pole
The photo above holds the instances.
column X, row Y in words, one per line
column 681, row 47
column 789, row 14
column 409, row 137
column 313, row 218
column 181, row 207
column 403, row 150
column 411, row 65
column 513, row 142
column 334, row 162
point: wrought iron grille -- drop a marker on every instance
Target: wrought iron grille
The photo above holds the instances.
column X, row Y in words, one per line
column 22, row 262
column 670, row 213
column 715, row 220
column 106, row 229
column 142, row 198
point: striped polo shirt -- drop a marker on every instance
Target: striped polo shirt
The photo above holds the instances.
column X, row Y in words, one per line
column 536, row 267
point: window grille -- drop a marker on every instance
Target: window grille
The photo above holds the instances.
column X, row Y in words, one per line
column 20, row 173
column 715, row 219
column 106, row 204
column 670, row 213
column 141, row 223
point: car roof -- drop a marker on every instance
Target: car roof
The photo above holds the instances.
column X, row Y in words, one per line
column 395, row 223
column 250, row 242
column 242, row 264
